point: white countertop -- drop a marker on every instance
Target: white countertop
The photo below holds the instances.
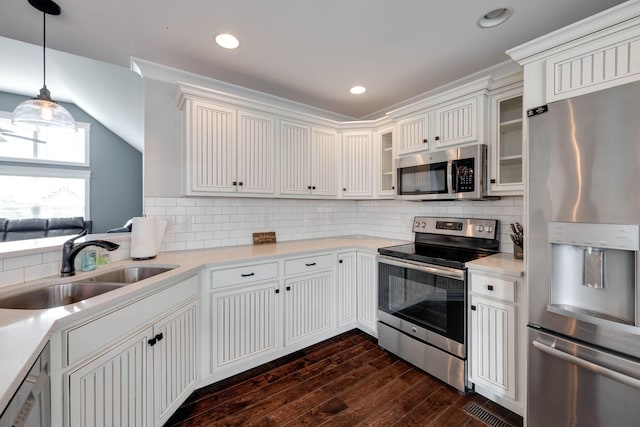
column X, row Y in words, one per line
column 503, row 263
column 23, row 333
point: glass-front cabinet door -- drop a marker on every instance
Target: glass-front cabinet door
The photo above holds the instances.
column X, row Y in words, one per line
column 506, row 142
column 386, row 184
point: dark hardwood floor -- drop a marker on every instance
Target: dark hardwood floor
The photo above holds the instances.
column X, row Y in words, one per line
column 344, row 381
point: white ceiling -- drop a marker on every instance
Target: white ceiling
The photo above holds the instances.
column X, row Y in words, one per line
column 304, row 50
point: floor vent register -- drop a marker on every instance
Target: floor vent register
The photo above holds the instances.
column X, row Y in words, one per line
column 484, row 415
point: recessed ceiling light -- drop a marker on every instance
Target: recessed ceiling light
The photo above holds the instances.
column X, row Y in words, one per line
column 358, row 90
column 227, row 41
column 495, row 17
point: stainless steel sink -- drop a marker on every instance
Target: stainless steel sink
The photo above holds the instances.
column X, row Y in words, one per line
column 129, row 274
column 56, row 295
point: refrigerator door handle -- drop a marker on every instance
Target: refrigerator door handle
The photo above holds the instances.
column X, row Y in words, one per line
column 590, row 366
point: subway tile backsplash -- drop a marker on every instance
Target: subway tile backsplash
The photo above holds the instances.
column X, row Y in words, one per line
column 213, row 222
column 198, row 223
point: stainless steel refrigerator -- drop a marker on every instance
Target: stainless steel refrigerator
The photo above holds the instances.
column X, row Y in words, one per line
column 583, row 260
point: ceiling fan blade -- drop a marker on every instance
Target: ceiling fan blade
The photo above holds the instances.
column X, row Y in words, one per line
column 13, row 135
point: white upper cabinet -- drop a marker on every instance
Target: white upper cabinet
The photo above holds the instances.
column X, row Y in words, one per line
column 307, row 160
column 443, row 125
column 357, row 164
column 506, row 143
column 256, row 153
column 211, row 147
column 294, row 158
column 458, row 123
column 324, row 181
column 386, row 170
column 228, row 150
column 604, row 63
column 599, row 52
column 413, row 134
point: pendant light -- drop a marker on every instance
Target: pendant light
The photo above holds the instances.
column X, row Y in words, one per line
column 42, row 111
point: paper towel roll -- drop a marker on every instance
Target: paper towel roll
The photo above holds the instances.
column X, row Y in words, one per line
column 144, row 244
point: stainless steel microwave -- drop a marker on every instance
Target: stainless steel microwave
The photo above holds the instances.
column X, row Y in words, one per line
column 453, row 174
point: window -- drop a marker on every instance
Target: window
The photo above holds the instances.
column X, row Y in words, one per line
column 43, row 174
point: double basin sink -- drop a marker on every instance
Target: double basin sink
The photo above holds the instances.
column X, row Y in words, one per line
column 72, row 292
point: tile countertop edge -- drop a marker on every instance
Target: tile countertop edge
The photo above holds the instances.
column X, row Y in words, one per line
column 503, row 263
column 25, row 332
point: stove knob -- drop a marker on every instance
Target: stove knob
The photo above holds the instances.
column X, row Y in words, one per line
column 423, row 224
column 417, row 224
column 489, row 229
column 480, row 228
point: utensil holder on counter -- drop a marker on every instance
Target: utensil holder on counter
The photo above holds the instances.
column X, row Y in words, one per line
column 518, row 253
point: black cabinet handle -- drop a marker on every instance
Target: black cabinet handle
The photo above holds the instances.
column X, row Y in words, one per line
column 277, row 291
column 155, row 339
column 490, row 287
column 247, row 275
column 437, row 138
column 339, row 261
column 493, row 181
column 473, row 307
column 424, row 141
column 311, row 265
column 288, row 288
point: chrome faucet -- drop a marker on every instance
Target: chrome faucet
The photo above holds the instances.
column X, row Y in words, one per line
column 70, row 251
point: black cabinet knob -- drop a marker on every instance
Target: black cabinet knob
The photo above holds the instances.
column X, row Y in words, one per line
column 313, row 188
column 159, row 337
column 288, row 288
column 277, row 291
column 152, row 342
column 437, row 138
column 344, row 189
column 240, row 183
column 490, row 287
column 234, row 183
column 473, row 307
column 493, row 181
column 339, row 261
column 424, row 141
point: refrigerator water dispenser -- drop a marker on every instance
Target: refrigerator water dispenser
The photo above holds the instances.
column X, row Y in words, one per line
column 594, row 271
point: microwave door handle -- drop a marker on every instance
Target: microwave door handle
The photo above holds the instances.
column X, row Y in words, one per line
column 450, row 181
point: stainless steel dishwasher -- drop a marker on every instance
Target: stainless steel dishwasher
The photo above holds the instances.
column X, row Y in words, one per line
column 31, row 405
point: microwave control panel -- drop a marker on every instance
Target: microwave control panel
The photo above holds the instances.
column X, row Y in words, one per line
column 463, row 175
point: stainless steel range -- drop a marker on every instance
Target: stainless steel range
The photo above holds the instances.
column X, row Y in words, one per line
column 422, row 293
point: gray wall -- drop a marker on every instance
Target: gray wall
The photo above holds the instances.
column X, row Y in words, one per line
column 116, row 170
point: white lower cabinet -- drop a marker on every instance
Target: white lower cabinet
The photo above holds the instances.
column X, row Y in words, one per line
column 244, row 324
column 367, row 293
column 347, row 280
column 143, row 376
column 494, row 333
column 308, row 307
column 357, row 290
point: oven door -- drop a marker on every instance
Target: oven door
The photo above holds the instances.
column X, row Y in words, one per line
column 424, row 301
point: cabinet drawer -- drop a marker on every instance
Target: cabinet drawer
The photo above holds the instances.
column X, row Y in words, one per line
column 307, row 264
column 245, row 274
column 88, row 338
column 494, row 287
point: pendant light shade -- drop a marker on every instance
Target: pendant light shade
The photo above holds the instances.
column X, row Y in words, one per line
column 42, row 111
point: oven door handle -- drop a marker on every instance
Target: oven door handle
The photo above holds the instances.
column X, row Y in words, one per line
column 451, row 273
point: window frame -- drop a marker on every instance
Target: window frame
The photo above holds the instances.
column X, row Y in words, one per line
column 87, row 147
column 44, row 172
